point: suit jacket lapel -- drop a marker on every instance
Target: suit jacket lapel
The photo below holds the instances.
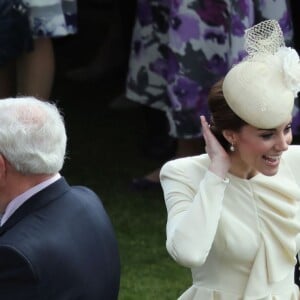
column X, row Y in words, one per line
column 42, row 198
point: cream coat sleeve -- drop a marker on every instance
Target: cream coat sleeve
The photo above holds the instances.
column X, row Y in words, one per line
column 292, row 158
column 193, row 197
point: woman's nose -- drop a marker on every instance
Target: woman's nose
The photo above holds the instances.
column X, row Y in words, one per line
column 282, row 143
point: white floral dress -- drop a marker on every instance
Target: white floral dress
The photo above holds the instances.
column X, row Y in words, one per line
column 52, row 18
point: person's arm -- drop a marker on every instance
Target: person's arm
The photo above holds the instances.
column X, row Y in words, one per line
column 193, row 214
column 17, row 280
column 291, row 159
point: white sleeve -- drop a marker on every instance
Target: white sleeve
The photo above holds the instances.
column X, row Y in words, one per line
column 193, row 213
column 292, row 157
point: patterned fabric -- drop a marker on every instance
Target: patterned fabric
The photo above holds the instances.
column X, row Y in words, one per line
column 180, row 48
column 52, row 18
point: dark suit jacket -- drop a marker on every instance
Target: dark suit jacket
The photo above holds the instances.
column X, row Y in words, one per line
column 59, row 245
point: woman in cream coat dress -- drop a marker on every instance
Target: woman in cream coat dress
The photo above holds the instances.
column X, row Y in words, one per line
column 233, row 213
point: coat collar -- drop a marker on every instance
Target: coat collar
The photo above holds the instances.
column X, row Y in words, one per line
column 40, row 199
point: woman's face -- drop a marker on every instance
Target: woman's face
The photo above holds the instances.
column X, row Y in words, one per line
column 259, row 150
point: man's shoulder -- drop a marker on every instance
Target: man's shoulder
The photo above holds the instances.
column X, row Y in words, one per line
column 57, row 223
column 66, row 231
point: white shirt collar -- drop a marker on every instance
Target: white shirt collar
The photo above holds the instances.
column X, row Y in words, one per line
column 19, row 200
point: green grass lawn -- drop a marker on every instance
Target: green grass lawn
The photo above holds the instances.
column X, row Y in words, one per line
column 103, row 155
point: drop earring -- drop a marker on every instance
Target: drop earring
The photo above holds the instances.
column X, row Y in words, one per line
column 231, row 148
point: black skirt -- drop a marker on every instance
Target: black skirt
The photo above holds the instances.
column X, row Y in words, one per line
column 15, row 32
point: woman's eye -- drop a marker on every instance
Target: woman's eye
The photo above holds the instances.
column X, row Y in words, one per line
column 288, row 128
column 269, row 134
column 266, row 136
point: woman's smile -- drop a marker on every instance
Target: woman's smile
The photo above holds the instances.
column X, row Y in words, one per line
column 272, row 160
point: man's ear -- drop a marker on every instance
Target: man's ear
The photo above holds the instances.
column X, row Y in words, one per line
column 3, row 167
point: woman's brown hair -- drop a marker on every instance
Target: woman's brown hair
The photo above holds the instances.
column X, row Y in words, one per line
column 222, row 117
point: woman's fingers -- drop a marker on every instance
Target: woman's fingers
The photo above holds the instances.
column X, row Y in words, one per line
column 205, row 127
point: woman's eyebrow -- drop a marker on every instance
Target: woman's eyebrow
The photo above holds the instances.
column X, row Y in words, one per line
column 270, row 129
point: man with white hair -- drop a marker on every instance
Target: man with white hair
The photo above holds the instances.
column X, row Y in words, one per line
column 56, row 240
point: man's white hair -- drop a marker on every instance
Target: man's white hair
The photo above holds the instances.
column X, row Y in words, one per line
column 32, row 135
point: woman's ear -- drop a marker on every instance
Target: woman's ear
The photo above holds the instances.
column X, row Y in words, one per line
column 230, row 136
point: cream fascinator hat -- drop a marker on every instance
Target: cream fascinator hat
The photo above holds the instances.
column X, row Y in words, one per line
column 261, row 89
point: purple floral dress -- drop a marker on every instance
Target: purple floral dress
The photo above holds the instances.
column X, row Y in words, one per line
column 181, row 47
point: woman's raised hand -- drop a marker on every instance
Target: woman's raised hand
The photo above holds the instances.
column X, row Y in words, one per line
column 220, row 160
